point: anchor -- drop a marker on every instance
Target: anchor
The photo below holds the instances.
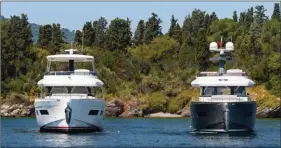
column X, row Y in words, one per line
column 68, row 111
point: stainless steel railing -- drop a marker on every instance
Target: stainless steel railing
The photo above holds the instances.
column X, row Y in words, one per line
column 223, row 99
column 65, row 96
column 70, row 73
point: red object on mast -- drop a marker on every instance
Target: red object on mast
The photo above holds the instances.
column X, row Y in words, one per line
column 219, row 44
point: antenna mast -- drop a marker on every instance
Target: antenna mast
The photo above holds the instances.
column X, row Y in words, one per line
column 82, row 38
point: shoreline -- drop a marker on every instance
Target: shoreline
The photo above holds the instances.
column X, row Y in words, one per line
column 116, row 109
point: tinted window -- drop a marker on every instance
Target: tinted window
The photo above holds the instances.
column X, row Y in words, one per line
column 93, row 112
column 44, row 112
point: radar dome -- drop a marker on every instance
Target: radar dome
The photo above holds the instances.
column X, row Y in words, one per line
column 213, row 46
column 229, row 46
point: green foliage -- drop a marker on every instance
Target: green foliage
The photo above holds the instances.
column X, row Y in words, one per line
column 153, row 51
column 179, row 101
column 276, row 12
column 78, row 37
column 139, row 33
column 175, row 30
column 156, row 101
column 88, row 34
column 118, row 34
column 51, row 38
column 157, row 69
column 15, row 98
column 99, row 28
column 152, row 28
column 235, row 16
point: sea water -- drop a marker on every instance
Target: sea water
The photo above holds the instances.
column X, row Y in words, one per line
column 137, row 132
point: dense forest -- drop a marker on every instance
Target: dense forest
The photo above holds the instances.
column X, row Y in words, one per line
column 149, row 66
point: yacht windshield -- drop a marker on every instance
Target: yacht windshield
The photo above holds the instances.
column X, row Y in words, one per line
column 240, row 91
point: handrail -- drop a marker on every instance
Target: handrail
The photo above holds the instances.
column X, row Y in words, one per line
column 224, row 98
column 208, row 74
column 65, row 95
column 70, row 73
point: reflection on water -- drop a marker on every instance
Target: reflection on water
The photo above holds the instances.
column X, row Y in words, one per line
column 138, row 132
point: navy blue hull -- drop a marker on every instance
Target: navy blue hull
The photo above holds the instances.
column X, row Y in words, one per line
column 223, row 116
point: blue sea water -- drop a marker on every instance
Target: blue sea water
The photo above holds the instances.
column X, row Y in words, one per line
column 137, row 132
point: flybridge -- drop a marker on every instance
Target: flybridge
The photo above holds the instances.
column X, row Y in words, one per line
column 70, row 56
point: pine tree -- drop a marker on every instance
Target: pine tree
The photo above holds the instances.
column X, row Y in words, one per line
column 175, row 30
column 260, row 16
column 139, row 33
column 19, row 42
column 249, row 17
column 187, row 31
column 78, row 37
column 45, row 37
column 242, row 18
column 57, row 39
column 99, row 28
column 4, row 50
column 118, row 34
column 276, row 12
column 235, row 16
column 88, row 34
column 202, row 51
column 213, row 17
column 152, row 28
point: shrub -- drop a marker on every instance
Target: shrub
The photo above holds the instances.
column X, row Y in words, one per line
column 15, row 98
column 179, row 101
column 157, row 102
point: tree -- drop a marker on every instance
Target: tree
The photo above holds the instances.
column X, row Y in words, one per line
column 213, row 17
column 139, row 33
column 99, row 28
column 16, row 46
column 50, row 37
column 235, row 16
column 192, row 25
column 249, row 17
column 202, row 51
column 45, row 37
column 118, row 34
column 255, row 29
column 5, row 59
column 57, row 39
column 187, row 31
column 152, row 28
column 276, row 12
column 175, row 30
column 242, row 18
column 260, row 16
column 78, row 37
column 88, row 34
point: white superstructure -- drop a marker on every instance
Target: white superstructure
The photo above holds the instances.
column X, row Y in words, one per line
column 69, row 100
column 221, row 86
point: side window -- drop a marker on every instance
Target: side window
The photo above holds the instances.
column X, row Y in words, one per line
column 208, row 91
column 101, row 112
column 240, row 91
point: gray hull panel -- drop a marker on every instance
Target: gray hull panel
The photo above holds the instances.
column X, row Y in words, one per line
column 223, row 116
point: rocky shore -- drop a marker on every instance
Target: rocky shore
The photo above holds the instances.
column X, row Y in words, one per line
column 117, row 108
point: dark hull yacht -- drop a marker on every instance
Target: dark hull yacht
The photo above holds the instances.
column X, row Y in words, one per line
column 223, row 104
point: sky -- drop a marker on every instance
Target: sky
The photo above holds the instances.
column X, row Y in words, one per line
column 73, row 15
